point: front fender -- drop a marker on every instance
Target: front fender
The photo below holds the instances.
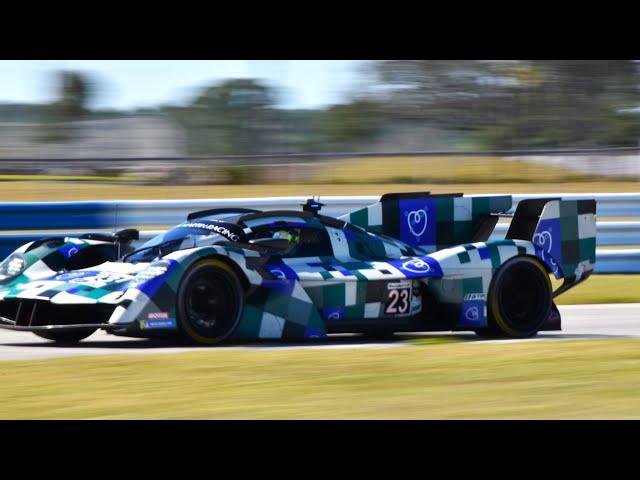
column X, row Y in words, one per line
column 49, row 256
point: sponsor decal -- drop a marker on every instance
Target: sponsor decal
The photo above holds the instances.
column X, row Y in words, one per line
column 158, row 316
column 282, row 272
column 73, row 275
column 334, row 313
column 165, row 323
column 311, row 332
column 398, row 298
column 100, row 279
column 416, row 265
column 417, row 222
column 472, row 313
column 396, row 285
column 69, row 251
column 474, row 296
column 544, row 240
column 212, row 227
column 278, row 274
column 416, row 228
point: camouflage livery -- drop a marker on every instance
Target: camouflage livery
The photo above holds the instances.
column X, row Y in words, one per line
column 410, row 262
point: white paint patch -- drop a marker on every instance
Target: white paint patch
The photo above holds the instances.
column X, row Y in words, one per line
column 271, row 326
column 371, row 310
column 374, row 214
column 462, row 208
column 350, row 293
column 69, row 298
column 338, row 243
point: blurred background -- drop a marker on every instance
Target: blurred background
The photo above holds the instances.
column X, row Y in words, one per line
column 91, row 129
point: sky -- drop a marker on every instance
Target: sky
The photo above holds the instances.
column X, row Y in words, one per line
column 126, row 84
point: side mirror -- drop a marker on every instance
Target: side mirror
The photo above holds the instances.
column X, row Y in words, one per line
column 127, row 235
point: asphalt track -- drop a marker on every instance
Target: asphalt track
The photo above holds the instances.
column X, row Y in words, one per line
column 579, row 322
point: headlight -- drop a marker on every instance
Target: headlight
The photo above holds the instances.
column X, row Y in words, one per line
column 152, row 271
column 12, row 266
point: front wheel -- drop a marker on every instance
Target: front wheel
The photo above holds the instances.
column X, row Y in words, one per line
column 209, row 302
column 65, row 336
column 520, row 298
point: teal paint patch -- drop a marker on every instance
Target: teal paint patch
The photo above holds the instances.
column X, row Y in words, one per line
column 360, row 218
column 333, row 295
column 463, row 257
column 249, row 326
column 444, row 212
column 472, row 285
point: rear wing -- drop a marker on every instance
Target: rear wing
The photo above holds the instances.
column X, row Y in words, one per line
column 563, row 232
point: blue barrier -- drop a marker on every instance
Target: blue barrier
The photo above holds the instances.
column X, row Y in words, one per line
column 58, row 215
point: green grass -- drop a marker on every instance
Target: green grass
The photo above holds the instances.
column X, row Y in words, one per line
column 545, row 379
column 603, row 289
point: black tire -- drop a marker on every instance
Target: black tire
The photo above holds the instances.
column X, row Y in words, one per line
column 520, row 299
column 209, row 302
column 66, row 336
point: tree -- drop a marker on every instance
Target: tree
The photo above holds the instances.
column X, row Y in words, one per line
column 517, row 104
column 74, row 90
column 231, row 117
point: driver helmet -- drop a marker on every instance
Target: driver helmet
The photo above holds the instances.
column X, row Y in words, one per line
column 285, row 235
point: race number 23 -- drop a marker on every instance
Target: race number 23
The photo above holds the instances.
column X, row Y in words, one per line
column 398, row 300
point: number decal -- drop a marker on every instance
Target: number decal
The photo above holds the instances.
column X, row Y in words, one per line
column 398, row 299
column 393, row 295
column 404, row 294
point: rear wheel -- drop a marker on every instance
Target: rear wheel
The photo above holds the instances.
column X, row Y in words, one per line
column 66, row 336
column 209, row 303
column 520, row 299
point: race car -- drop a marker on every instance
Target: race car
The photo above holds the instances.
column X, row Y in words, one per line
column 410, row 262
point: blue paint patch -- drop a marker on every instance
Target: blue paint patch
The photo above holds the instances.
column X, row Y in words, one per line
column 484, row 252
column 418, row 221
column 548, row 237
column 282, row 271
column 548, row 242
column 333, row 313
column 69, row 250
column 151, row 286
column 343, row 271
column 65, row 277
column 165, row 323
column 314, row 333
column 348, row 234
column 283, row 286
column 472, row 314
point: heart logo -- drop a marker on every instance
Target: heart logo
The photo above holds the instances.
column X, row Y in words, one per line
column 417, row 222
column 472, row 314
column 543, row 240
column 416, row 265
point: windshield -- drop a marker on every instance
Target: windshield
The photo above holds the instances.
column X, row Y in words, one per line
column 196, row 233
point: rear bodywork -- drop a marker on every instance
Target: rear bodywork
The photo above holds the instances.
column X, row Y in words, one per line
column 410, row 262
